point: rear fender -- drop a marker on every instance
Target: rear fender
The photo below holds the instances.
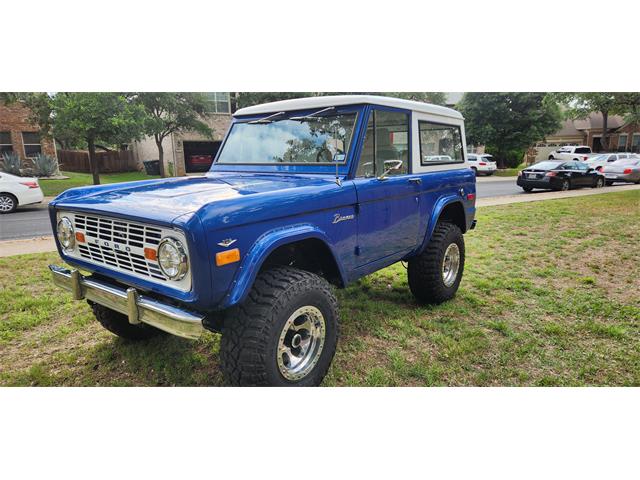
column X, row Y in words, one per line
column 439, row 207
column 261, row 250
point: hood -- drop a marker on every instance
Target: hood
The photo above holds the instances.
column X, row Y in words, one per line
column 166, row 199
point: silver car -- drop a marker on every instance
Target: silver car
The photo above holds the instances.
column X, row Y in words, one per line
column 598, row 161
column 627, row 170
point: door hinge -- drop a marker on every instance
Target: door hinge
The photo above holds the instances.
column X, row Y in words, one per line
column 357, row 250
column 357, row 208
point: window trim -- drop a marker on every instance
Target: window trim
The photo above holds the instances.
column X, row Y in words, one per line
column 433, row 164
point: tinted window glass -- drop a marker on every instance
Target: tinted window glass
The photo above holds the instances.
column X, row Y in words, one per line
column 583, row 150
column 439, row 143
column 5, row 138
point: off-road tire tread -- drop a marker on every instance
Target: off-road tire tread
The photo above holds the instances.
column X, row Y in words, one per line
column 424, row 274
column 118, row 324
column 246, row 328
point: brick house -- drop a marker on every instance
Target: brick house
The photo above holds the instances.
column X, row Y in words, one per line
column 190, row 152
column 622, row 137
column 19, row 135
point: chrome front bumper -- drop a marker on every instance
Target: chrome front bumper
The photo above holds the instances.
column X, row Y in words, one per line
column 136, row 307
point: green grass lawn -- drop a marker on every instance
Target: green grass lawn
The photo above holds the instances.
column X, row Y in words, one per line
column 51, row 188
column 549, row 297
column 508, row 172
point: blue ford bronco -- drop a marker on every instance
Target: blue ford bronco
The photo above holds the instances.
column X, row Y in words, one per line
column 304, row 195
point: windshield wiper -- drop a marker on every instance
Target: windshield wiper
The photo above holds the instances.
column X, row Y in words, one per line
column 313, row 115
column 266, row 119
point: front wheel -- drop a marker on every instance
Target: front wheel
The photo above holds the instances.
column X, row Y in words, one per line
column 599, row 183
column 284, row 334
column 435, row 274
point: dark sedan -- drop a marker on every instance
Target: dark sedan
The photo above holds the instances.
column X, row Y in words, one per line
column 559, row 175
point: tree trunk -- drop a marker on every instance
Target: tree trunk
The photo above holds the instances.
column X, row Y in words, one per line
column 605, row 136
column 93, row 161
column 163, row 174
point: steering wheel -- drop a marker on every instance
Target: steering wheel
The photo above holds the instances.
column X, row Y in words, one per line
column 324, row 155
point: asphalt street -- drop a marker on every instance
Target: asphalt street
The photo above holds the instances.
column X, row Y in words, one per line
column 33, row 221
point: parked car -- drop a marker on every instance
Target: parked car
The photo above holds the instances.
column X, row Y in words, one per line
column 599, row 161
column 482, row 164
column 626, row 170
column 559, row 175
column 16, row 191
column 304, row 194
column 574, row 152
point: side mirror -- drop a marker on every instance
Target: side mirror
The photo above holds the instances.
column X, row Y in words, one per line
column 390, row 166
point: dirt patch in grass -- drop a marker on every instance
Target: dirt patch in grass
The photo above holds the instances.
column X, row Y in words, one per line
column 549, row 297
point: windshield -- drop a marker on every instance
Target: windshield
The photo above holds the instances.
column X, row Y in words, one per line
column 546, row 165
column 316, row 140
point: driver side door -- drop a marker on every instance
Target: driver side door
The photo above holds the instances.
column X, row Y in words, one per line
column 388, row 218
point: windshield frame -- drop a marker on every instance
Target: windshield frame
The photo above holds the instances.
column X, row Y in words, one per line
column 295, row 167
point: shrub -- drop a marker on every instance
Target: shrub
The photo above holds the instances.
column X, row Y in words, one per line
column 44, row 165
column 11, row 163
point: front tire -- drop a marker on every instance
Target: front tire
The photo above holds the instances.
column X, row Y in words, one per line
column 599, row 183
column 435, row 274
column 284, row 334
column 8, row 203
column 118, row 324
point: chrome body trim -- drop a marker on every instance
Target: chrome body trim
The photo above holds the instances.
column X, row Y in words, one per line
column 138, row 308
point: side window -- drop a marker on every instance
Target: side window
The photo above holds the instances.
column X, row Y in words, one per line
column 612, row 158
column 439, row 143
column 582, row 166
column 386, row 138
column 471, row 158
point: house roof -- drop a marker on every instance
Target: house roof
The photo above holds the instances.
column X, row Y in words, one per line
column 339, row 100
column 595, row 120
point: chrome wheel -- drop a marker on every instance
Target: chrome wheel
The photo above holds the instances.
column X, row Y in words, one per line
column 301, row 342
column 451, row 264
column 600, row 183
column 6, row 203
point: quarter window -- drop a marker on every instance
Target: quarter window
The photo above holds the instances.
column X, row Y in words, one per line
column 31, row 142
column 5, row 142
column 439, row 143
column 386, row 138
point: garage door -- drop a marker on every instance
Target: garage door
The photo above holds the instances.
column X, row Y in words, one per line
column 198, row 156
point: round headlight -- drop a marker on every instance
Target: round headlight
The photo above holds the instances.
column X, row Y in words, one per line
column 65, row 233
column 172, row 259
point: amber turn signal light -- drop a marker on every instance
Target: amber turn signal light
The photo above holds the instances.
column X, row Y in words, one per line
column 80, row 237
column 150, row 254
column 228, row 256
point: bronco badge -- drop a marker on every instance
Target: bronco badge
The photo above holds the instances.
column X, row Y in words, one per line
column 337, row 218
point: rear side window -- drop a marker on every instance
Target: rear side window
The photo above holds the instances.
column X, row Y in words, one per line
column 583, row 150
column 439, row 144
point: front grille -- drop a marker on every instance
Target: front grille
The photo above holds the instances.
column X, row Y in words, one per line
column 120, row 245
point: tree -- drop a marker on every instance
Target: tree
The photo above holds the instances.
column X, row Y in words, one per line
column 509, row 123
column 168, row 113
column 111, row 118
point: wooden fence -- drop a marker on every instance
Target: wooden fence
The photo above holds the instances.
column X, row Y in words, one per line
column 109, row 162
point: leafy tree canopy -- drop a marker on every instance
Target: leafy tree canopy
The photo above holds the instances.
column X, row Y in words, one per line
column 508, row 123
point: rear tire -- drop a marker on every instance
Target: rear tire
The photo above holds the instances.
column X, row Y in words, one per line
column 284, row 334
column 429, row 279
column 608, row 183
column 599, row 183
column 8, row 203
column 527, row 189
column 564, row 186
column 118, row 324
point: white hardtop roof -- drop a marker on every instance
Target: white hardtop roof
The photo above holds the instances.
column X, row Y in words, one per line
column 339, row 100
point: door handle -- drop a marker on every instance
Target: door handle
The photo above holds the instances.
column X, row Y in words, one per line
column 417, row 181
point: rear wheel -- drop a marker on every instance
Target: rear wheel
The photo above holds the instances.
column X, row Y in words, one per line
column 435, row 274
column 599, row 183
column 284, row 334
column 8, row 203
column 527, row 189
column 565, row 185
column 609, row 183
column 118, row 324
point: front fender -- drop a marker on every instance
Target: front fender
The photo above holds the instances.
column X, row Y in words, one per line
column 262, row 248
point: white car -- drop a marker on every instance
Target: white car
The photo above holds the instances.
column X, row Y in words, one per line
column 482, row 164
column 576, row 153
column 16, row 191
column 598, row 161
